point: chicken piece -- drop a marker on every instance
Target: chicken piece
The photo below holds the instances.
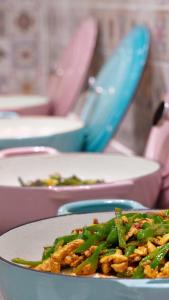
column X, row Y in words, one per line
column 150, row 247
column 149, row 272
column 146, row 220
column 130, row 271
column 164, row 272
column 117, row 257
column 106, row 268
column 86, row 270
column 120, row 268
column 125, row 219
column 55, row 266
column 45, row 266
column 133, row 231
column 134, row 257
column 161, row 240
column 66, row 250
column 161, row 213
column 72, row 260
column 141, row 250
column 90, row 251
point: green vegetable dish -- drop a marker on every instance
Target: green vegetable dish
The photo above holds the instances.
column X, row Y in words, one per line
column 58, row 180
column 130, row 245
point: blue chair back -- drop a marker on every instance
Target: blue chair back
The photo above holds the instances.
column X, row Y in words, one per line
column 114, row 88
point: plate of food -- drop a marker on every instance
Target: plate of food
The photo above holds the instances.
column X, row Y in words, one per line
column 35, row 186
column 124, row 253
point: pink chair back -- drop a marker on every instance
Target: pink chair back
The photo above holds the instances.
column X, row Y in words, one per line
column 157, row 148
column 72, row 68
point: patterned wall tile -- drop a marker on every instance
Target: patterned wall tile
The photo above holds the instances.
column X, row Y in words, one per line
column 26, row 83
column 160, row 36
column 25, row 54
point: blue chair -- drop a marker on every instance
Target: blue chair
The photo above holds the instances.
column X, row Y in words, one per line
column 114, row 88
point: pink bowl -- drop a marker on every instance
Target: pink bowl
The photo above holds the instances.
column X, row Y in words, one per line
column 125, row 178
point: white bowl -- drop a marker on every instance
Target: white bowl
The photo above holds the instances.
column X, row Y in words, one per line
column 61, row 133
column 25, row 104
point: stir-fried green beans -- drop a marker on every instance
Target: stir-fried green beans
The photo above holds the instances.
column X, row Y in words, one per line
column 129, row 245
column 58, row 180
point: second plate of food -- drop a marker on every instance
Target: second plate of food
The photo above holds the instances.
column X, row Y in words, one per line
column 34, row 187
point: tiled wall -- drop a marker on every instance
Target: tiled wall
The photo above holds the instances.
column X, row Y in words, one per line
column 33, row 33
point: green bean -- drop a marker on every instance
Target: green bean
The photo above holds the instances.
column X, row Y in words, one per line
column 167, row 212
column 127, row 227
column 48, row 251
column 120, row 229
column 22, row 183
column 104, row 232
column 26, row 262
column 92, row 261
column 150, row 256
column 108, row 252
column 96, row 237
column 113, row 236
column 152, row 230
column 138, row 273
column 87, row 244
column 160, row 255
column 134, row 216
column 129, row 250
column 95, row 227
column 157, row 219
column 146, row 225
column 68, row 238
column 86, row 233
column 161, row 229
column 145, row 234
column 134, row 243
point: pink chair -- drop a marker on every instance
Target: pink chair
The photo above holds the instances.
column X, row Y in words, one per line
column 72, row 68
column 157, row 148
